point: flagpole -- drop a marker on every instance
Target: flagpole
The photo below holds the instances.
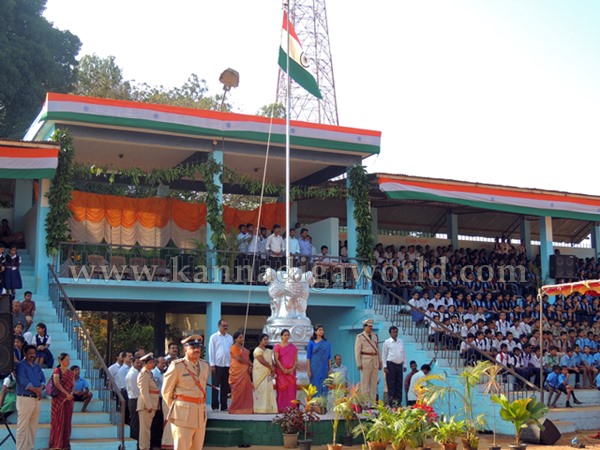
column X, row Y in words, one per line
column 287, row 140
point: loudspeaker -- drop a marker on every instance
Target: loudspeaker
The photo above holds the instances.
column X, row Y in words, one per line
column 5, row 304
column 534, row 435
column 6, row 344
column 563, row 266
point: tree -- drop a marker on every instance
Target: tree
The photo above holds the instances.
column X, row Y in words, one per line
column 101, row 77
column 35, row 58
column 277, row 110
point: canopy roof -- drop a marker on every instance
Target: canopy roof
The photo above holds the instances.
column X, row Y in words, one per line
column 30, row 160
column 126, row 134
column 587, row 287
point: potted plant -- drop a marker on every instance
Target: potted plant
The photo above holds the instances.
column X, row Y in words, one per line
column 421, row 419
column 521, row 412
column 493, row 387
column 291, row 422
column 443, row 389
column 447, row 431
column 310, row 404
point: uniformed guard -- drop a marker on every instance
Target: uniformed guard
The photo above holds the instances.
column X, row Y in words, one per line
column 147, row 402
column 368, row 360
column 184, row 392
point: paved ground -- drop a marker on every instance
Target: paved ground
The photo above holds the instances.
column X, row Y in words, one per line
column 485, row 441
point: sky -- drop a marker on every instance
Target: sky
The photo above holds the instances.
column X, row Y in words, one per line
column 494, row 92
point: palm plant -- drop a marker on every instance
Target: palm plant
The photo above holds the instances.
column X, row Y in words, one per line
column 521, row 412
column 443, row 389
column 493, row 387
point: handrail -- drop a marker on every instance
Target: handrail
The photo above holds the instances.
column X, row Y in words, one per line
column 392, row 311
column 80, row 336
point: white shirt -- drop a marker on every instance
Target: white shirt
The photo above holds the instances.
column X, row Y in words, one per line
column 242, row 240
column 120, row 376
column 294, row 245
column 412, row 393
column 114, row 369
column 158, row 376
column 218, row 350
column 133, row 391
column 275, row 244
column 393, row 351
column 503, row 326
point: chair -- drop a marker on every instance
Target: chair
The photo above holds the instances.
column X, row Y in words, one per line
column 118, row 268
column 137, row 266
column 161, row 273
column 95, row 264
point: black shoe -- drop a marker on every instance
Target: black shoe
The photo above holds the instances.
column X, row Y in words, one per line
column 568, row 405
column 223, row 409
column 577, row 402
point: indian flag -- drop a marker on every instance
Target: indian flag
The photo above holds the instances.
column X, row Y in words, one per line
column 298, row 61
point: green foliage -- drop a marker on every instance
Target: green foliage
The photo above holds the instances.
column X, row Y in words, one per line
column 211, row 171
column 521, row 412
column 275, row 110
column 359, row 192
column 291, row 420
column 59, row 195
column 448, row 430
column 101, row 77
column 35, row 58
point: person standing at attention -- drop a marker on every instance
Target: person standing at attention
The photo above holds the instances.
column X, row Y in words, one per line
column 318, row 357
column 219, row 359
column 147, row 402
column 133, row 392
column 394, row 358
column 286, row 363
column 61, row 414
column 368, row 361
column 184, row 392
column 275, row 248
column 30, row 384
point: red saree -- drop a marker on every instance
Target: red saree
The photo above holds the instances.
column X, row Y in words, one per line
column 61, row 413
column 239, row 381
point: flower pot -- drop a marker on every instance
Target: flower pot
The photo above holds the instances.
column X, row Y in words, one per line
column 304, row 444
column 347, row 441
column 377, row 445
column 449, row 446
column 290, row 440
column 334, row 446
column 399, row 446
column 495, row 447
column 520, row 446
column 467, row 444
column 424, row 448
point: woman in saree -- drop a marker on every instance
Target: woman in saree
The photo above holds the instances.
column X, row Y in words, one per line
column 263, row 372
column 62, row 405
column 286, row 359
column 318, row 358
column 239, row 377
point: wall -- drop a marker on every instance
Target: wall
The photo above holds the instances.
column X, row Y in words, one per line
column 29, row 225
column 326, row 232
column 7, row 213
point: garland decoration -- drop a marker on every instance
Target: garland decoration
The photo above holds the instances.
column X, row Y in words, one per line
column 59, row 194
column 359, row 192
column 211, row 170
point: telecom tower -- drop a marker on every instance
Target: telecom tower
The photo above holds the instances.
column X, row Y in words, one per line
column 309, row 18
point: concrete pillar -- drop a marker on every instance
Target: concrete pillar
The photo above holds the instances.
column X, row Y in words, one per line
column 216, row 155
column 596, row 239
column 526, row 237
column 375, row 223
column 452, row 224
column 546, row 248
column 351, row 234
column 41, row 258
column 213, row 315
column 294, row 216
column 22, row 203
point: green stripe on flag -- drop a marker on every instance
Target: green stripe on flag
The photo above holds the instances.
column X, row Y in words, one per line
column 299, row 74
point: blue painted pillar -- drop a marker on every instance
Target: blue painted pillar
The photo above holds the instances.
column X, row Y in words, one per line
column 41, row 258
column 351, row 234
column 217, row 155
column 213, row 315
column 375, row 224
column 22, row 204
column 525, row 227
column 546, row 248
column 452, row 223
column 596, row 239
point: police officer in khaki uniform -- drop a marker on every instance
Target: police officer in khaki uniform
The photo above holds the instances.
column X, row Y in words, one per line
column 184, row 392
column 368, row 360
column 147, row 402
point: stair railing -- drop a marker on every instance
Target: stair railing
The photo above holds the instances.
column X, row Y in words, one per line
column 400, row 313
column 96, row 371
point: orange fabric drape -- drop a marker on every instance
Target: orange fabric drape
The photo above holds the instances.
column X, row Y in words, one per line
column 157, row 212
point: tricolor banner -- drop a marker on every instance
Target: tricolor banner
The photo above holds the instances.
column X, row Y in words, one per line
column 297, row 60
column 26, row 161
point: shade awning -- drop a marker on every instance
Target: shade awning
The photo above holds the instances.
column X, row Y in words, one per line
column 587, row 287
column 22, row 160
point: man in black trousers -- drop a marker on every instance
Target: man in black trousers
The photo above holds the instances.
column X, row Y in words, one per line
column 394, row 360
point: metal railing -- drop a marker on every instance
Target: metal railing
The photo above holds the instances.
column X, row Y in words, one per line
column 445, row 344
column 82, row 261
column 96, row 371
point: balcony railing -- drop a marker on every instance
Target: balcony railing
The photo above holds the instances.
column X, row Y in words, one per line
column 84, row 262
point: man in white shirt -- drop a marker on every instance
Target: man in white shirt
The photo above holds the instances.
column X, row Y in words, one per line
column 133, row 392
column 114, row 368
column 394, row 358
column 219, row 359
column 243, row 240
column 275, row 248
column 294, row 245
column 412, row 396
column 337, row 366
